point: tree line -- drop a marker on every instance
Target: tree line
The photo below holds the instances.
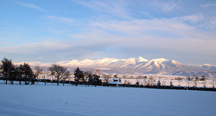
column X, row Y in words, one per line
column 21, row 72
column 24, row 72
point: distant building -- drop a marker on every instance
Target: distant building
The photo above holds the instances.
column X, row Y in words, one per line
column 116, row 81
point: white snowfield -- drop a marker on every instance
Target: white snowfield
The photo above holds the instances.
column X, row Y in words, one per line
column 52, row 100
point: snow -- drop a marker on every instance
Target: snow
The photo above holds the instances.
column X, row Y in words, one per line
column 138, row 65
column 115, row 81
column 160, row 60
column 141, row 59
column 52, row 100
column 207, row 64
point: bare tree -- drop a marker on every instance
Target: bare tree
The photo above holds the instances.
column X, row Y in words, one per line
column 128, row 82
column 97, row 72
column 38, row 70
column 151, row 78
column 203, row 78
column 213, row 80
column 179, row 81
column 125, row 81
column 138, row 81
column 44, row 76
column 106, row 78
column 66, row 76
column 58, row 71
column 163, row 82
column 195, row 81
column 144, row 80
column 188, row 79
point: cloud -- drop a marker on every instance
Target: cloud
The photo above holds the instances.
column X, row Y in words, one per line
column 193, row 18
column 170, row 6
column 96, row 44
column 112, row 7
column 92, row 46
column 167, row 27
column 166, row 6
column 207, row 5
column 52, row 51
column 63, row 20
column 33, row 63
column 168, row 36
column 211, row 24
column 34, row 47
column 30, row 6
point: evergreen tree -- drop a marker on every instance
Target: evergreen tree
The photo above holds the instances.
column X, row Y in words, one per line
column 78, row 74
column 26, row 70
column 7, row 66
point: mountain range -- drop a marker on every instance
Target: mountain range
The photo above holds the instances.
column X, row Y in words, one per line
column 142, row 66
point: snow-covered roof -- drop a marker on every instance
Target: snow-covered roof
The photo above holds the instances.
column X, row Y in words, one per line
column 115, row 78
column 112, row 82
column 115, row 81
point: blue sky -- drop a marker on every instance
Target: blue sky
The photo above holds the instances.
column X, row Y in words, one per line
column 49, row 31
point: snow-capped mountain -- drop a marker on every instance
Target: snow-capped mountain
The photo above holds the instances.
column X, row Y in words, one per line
column 137, row 66
column 142, row 65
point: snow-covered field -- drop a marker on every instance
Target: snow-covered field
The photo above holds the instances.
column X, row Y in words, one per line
column 40, row 99
column 164, row 79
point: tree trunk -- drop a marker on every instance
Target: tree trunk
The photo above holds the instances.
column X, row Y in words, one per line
column 12, row 82
column 57, row 81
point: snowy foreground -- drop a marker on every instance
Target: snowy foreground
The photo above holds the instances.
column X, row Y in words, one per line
column 40, row 99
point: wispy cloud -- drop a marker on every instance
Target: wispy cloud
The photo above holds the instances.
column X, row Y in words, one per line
column 172, row 26
column 193, row 18
column 34, row 47
column 167, row 6
column 115, row 8
column 30, row 6
column 51, row 51
column 63, row 20
column 207, row 5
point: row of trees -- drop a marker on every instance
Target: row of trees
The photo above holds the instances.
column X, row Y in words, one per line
column 24, row 72
column 12, row 72
column 151, row 81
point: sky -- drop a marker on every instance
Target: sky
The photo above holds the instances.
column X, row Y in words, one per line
column 49, row 31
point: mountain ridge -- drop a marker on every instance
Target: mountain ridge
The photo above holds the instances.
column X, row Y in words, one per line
column 144, row 66
column 138, row 65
